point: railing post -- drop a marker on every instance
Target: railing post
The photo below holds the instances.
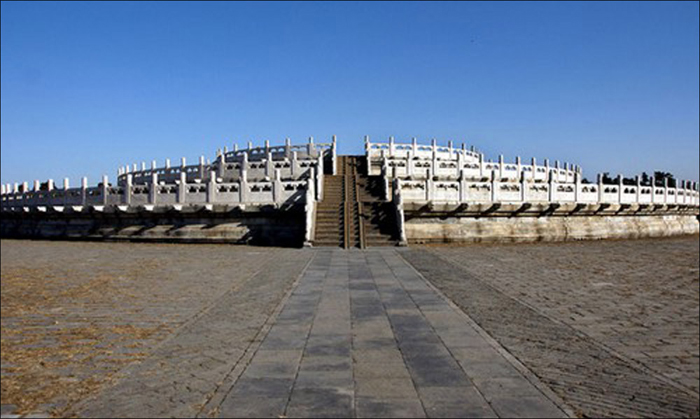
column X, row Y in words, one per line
column 244, row 163
column 638, row 194
column 182, row 188
column 534, row 169
column 153, row 190
column 500, row 167
column 495, row 184
column 243, row 185
column 462, row 185
column 552, row 188
column 319, row 178
column 105, row 189
column 277, row 187
column 127, row 189
column 309, row 209
column 653, row 190
column 83, row 191
column 25, row 189
column 481, row 166
column 385, row 179
column 601, row 188
column 620, row 188
column 391, row 146
column 334, row 157
column 429, row 184
column 211, row 188
column 311, row 149
column 287, row 148
column 269, row 167
column 460, row 159
column 220, row 166
column 293, row 165
column 523, row 187
column 577, row 187
column 400, row 217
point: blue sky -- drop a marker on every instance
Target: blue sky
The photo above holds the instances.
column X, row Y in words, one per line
column 88, row 87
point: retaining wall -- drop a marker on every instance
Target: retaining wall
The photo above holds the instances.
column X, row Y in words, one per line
column 540, row 223
column 256, row 226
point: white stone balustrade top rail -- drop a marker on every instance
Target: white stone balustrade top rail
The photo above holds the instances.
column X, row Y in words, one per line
column 417, row 161
column 260, row 162
column 242, row 192
column 527, row 191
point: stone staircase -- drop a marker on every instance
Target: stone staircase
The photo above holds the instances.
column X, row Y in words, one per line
column 353, row 213
column 329, row 213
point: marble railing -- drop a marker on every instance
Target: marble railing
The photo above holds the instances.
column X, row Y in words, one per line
column 244, row 178
column 259, row 163
column 415, row 161
column 496, row 191
column 275, row 191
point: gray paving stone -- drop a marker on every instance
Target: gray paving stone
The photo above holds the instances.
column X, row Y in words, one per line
column 372, row 407
column 455, row 402
column 364, row 370
column 262, row 387
column 320, row 403
column 373, row 342
column 340, row 380
column 280, row 369
column 286, row 356
column 324, row 345
column 386, row 388
column 327, row 363
column 252, row 407
column 380, row 345
column 378, row 356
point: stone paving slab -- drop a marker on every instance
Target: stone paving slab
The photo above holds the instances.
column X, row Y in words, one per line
column 637, row 297
column 364, row 335
column 589, row 376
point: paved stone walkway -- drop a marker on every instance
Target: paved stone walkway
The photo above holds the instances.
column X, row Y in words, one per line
column 363, row 334
column 593, row 379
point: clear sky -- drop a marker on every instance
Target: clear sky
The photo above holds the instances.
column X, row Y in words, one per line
column 88, row 87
